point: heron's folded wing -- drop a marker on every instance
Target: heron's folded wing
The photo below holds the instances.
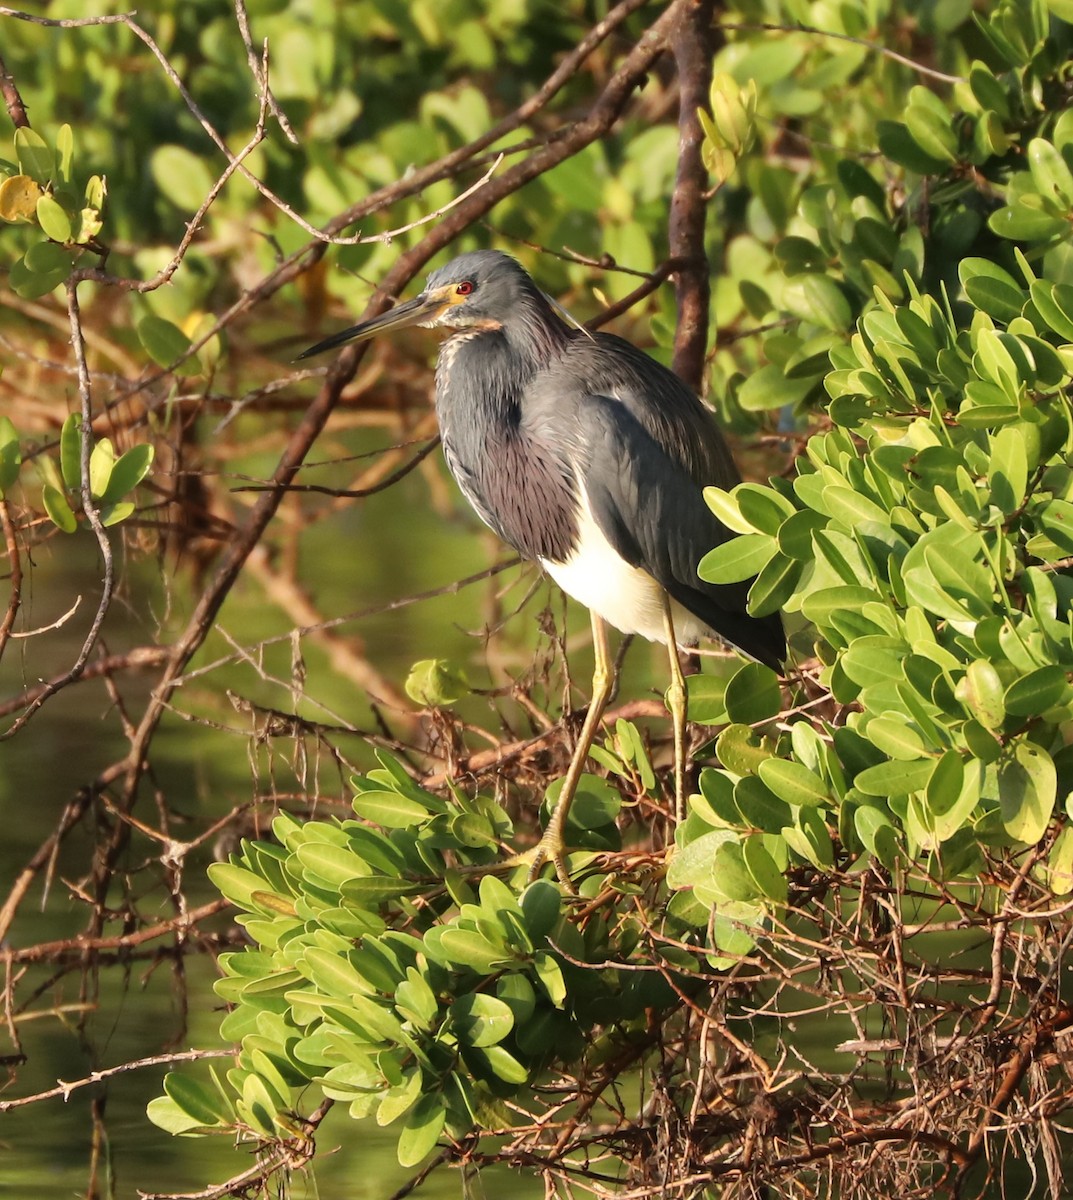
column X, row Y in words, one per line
column 653, row 513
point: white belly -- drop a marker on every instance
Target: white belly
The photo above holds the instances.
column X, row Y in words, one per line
column 626, row 597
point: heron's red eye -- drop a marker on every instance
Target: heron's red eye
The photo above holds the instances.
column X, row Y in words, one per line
column 464, row 288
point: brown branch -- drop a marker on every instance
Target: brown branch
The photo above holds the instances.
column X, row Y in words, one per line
column 9, row 89
column 627, row 302
column 180, row 925
column 1031, row 1043
column 15, row 562
column 353, row 493
column 64, row 1090
column 693, row 41
column 137, row 659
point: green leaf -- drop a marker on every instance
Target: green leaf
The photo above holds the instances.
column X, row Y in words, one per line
column 113, row 514
column 794, row 783
column 953, row 794
column 764, row 871
column 424, row 1124
column 989, row 92
column 541, row 903
column 1033, row 694
column 550, row 976
column 725, row 506
column 991, row 288
column 1060, row 863
column 481, row 1020
column 416, row 999
column 171, row 1117
column 95, row 192
column 65, row 148
column 1028, row 787
column 944, row 786
column 818, row 299
column 334, row 865
column 736, row 560
column 257, row 1106
column 894, row 738
column 128, row 471
column 500, row 1063
column 756, row 806
column 1008, row 468
column 165, row 343
column 1050, row 173
column 632, row 748
column 769, row 388
column 31, row 285
column 52, row 219
column 809, row 837
column 71, row 451
column 334, row 976
column 1024, row 223
column 716, row 804
column 182, row 176
column 35, row 157
column 390, row 809
column 763, row 507
column 899, row 145
column 201, row 1103
column 820, row 606
column 894, row 778
column 795, row 534
column 1056, row 520
column 728, row 933
column 753, row 694
column 101, row 462
column 400, row 1098
column 236, row 883
column 732, row 877
column 981, row 691
column 877, row 834
column 740, row 751
column 1054, row 303
column 471, row 949
column 46, row 258
column 852, row 507
column 933, row 133
column 774, row 586
column 434, row 682
column 59, row 511
column 10, row 455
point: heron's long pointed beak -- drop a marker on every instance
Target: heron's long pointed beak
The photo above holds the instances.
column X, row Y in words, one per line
column 423, row 309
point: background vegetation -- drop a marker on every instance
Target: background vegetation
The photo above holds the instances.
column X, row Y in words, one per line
column 244, row 603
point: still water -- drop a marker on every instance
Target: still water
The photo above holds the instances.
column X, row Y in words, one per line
column 359, row 558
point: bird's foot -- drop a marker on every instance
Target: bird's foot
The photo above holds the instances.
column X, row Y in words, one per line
column 551, row 849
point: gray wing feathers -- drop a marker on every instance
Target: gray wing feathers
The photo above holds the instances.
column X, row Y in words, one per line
column 653, row 514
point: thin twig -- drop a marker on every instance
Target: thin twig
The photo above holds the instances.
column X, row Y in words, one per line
column 893, row 55
column 89, row 508
column 15, row 570
column 64, row 1090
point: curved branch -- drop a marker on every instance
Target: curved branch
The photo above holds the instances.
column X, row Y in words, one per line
column 692, row 40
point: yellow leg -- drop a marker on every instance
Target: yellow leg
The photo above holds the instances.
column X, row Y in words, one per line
column 552, row 846
column 676, row 702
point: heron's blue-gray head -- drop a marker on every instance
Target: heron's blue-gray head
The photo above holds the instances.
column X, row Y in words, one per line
column 484, row 288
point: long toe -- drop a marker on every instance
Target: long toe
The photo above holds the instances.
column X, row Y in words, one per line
column 550, row 848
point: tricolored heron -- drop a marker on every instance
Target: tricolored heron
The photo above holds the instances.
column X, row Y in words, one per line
column 587, row 455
